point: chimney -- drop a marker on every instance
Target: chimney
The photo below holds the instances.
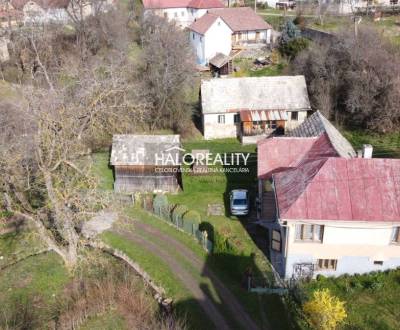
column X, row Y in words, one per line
column 367, row 151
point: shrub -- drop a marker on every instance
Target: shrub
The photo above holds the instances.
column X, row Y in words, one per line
column 293, row 47
column 191, row 221
column 324, row 311
column 177, row 214
column 160, row 203
column 300, row 21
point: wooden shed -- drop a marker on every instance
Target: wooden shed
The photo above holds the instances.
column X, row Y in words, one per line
column 148, row 163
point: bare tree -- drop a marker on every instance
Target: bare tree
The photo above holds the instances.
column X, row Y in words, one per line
column 47, row 130
column 168, row 71
column 355, row 79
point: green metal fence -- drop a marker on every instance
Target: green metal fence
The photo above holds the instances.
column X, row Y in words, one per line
column 180, row 217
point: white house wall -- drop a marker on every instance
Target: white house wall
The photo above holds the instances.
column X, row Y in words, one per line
column 214, row 130
column 354, row 246
column 291, row 124
column 197, row 41
column 217, row 39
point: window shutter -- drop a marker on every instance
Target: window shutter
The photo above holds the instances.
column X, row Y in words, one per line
column 298, row 232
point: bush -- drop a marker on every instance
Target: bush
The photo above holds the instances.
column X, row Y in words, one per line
column 300, row 21
column 324, row 311
column 293, row 47
column 177, row 214
column 160, row 203
column 191, row 221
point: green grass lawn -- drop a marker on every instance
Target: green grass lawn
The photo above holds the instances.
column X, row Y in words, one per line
column 385, row 145
column 372, row 300
column 103, row 171
column 106, row 321
column 229, row 268
column 29, row 290
column 247, row 69
column 16, row 246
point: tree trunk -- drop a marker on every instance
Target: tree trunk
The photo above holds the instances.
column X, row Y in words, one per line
column 64, row 224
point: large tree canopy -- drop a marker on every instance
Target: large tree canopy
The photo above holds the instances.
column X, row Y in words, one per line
column 354, row 80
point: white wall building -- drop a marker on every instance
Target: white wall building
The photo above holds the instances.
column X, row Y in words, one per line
column 221, row 29
column 183, row 12
column 252, row 108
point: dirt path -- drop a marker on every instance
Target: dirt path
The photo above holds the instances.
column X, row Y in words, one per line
column 187, row 279
column 228, row 299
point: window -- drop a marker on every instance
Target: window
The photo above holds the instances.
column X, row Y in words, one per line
column 221, row 119
column 165, row 15
column 326, row 264
column 201, row 39
column 378, row 262
column 183, row 13
column 276, row 244
column 313, row 233
column 194, row 36
column 176, row 14
column 236, row 118
column 396, row 235
column 294, row 116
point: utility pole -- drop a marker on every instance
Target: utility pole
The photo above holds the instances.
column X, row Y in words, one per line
column 357, row 21
column 255, row 5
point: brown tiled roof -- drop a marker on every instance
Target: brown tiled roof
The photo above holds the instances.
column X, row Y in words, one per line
column 238, row 19
column 203, row 23
column 241, row 19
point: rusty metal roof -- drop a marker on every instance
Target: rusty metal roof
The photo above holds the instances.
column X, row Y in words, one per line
column 262, row 115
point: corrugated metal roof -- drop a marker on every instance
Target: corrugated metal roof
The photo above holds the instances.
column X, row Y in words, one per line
column 277, row 154
column 336, row 188
column 254, row 93
column 262, row 115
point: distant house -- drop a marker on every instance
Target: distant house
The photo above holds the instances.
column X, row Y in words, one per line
column 183, row 12
column 221, row 29
column 253, row 108
column 334, row 212
column 48, row 11
column 146, row 163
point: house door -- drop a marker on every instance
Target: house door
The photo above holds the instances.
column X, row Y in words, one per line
column 257, row 36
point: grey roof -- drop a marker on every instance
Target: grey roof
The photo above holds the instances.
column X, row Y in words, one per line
column 316, row 125
column 219, row 60
column 264, row 93
column 144, row 149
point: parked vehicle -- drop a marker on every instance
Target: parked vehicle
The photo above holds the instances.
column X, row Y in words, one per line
column 239, row 202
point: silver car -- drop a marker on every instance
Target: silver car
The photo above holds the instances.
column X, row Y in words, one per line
column 239, row 202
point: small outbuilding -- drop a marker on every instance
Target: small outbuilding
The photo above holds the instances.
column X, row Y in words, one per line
column 148, row 163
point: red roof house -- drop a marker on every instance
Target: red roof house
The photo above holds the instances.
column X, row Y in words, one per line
column 197, row 4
